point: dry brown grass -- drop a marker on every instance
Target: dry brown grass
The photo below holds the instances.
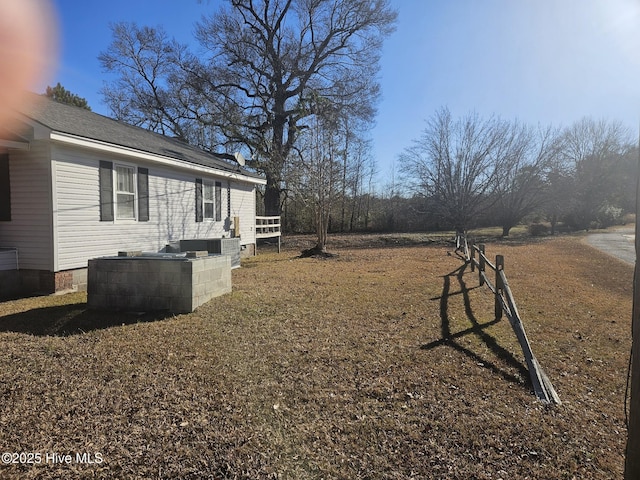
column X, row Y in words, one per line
column 382, row 363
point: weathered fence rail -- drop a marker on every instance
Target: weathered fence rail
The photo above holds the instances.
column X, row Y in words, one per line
column 506, row 304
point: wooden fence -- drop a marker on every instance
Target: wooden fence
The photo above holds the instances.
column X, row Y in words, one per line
column 505, row 303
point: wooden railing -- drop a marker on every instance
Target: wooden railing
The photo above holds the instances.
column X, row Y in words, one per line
column 268, row 227
column 505, row 303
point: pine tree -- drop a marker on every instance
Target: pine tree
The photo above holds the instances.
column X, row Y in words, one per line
column 62, row 95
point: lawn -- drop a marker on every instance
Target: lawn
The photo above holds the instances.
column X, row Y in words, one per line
column 382, row 363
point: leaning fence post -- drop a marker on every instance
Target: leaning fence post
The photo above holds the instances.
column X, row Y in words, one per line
column 499, row 285
column 481, row 266
column 472, row 253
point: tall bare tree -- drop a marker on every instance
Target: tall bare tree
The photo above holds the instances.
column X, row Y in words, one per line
column 454, row 163
column 143, row 94
column 266, row 60
column 359, row 184
column 523, row 161
column 317, row 168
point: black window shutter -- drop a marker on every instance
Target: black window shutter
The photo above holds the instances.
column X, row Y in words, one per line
column 218, row 202
column 106, row 191
column 143, row 194
column 5, row 189
column 199, row 216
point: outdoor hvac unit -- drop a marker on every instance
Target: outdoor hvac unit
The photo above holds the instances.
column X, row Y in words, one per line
column 8, row 259
column 220, row 246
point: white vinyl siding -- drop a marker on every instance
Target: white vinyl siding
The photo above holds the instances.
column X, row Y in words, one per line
column 243, row 205
column 30, row 228
column 81, row 235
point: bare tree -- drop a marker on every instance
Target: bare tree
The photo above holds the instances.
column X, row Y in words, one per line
column 144, row 58
column 354, row 153
column 266, row 60
column 454, row 163
column 359, row 187
column 318, row 170
column 559, row 188
column 274, row 57
column 592, row 152
column 524, row 158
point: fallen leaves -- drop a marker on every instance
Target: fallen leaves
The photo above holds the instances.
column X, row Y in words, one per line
column 316, row 369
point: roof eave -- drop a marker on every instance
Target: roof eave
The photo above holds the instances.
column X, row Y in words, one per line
column 98, row 145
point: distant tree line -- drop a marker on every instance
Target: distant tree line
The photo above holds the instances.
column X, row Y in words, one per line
column 472, row 172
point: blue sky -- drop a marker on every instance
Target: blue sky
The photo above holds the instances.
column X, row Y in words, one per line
column 540, row 61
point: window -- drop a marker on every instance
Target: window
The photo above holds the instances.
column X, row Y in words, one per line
column 207, row 200
column 125, row 192
column 118, row 192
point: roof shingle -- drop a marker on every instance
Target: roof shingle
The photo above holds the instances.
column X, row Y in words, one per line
column 77, row 121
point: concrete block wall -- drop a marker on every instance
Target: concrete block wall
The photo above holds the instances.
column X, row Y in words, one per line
column 138, row 283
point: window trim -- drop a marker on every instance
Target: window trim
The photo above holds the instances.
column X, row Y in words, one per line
column 107, row 185
column 116, row 192
column 208, row 184
column 216, row 201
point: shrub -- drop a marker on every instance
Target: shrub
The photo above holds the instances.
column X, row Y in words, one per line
column 538, row 229
column 609, row 215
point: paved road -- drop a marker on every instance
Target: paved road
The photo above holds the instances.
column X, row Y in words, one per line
column 619, row 244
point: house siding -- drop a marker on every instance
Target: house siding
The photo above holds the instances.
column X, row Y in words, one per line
column 80, row 235
column 243, row 205
column 30, row 227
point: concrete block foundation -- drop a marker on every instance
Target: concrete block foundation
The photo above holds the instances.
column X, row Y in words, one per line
column 157, row 282
column 17, row 283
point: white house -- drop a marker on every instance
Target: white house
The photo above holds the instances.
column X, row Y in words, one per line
column 76, row 185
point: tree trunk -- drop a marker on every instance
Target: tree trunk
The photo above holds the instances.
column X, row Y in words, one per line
column 279, row 152
column 272, row 199
column 345, row 157
column 505, row 230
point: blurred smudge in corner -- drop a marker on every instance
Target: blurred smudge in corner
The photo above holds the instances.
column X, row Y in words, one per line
column 28, row 52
